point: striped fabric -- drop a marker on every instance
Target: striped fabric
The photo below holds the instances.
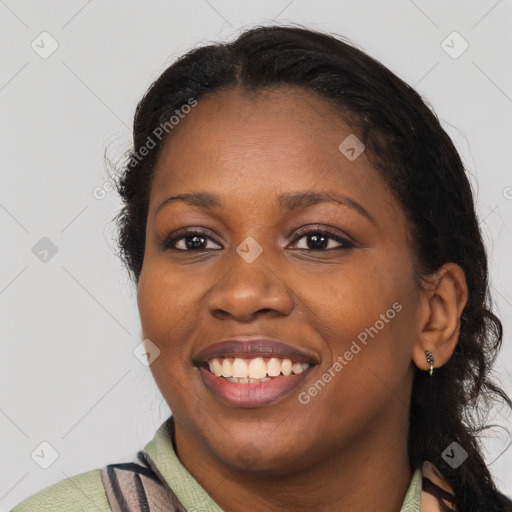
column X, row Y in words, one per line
column 156, row 481
column 138, row 487
column 142, row 487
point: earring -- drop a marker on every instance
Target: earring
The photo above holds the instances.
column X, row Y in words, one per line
column 430, row 360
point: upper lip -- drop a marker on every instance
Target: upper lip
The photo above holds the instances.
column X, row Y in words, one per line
column 250, row 347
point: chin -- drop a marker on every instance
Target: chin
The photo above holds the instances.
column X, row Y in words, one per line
column 250, row 455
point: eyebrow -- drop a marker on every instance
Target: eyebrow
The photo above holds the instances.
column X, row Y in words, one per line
column 286, row 201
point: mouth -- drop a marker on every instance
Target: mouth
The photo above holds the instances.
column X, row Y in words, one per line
column 254, row 370
column 252, row 373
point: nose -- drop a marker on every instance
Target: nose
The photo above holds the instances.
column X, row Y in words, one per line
column 249, row 289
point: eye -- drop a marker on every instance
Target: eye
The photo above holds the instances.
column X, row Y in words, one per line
column 319, row 239
column 197, row 240
column 193, row 240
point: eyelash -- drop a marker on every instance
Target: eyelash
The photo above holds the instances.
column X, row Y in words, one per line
column 170, row 241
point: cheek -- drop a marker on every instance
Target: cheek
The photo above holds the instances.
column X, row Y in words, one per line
column 368, row 376
column 163, row 309
column 366, row 318
column 352, row 299
column 164, row 299
column 152, row 302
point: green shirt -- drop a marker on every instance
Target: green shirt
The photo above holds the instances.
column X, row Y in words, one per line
column 85, row 493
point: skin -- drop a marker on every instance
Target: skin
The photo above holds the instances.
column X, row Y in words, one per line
column 346, row 449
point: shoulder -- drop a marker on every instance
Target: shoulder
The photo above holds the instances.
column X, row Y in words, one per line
column 83, row 492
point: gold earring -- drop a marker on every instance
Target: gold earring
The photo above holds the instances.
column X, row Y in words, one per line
column 430, row 360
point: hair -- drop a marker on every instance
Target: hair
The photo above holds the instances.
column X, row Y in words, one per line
column 419, row 163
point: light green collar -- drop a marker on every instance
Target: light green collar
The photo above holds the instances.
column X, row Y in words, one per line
column 187, row 489
column 413, row 496
column 193, row 497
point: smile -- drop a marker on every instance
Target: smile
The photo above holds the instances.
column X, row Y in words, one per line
column 258, row 369
column 253, row 371
column 253, row 382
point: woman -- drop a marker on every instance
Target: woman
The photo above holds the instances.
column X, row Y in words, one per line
column 312, row 287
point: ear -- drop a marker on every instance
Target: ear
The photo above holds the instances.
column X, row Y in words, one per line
column 441, row 303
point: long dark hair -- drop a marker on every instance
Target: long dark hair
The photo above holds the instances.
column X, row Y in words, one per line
column 420, row 164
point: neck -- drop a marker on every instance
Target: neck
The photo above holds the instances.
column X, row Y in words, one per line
column 373, row 474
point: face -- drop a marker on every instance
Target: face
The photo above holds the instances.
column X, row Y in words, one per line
column 331, row 279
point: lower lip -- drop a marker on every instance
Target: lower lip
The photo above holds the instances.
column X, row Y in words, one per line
column 252, row 394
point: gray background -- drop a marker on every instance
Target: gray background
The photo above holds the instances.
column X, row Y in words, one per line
column 68, row 375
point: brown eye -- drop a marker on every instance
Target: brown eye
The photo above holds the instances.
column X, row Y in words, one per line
column 189, row 241
column 319, row 239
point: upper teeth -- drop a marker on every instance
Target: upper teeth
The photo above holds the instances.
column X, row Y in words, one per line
column 256, row 368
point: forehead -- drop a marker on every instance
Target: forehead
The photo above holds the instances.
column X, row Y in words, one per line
column 259, row 145
column 287, row 118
